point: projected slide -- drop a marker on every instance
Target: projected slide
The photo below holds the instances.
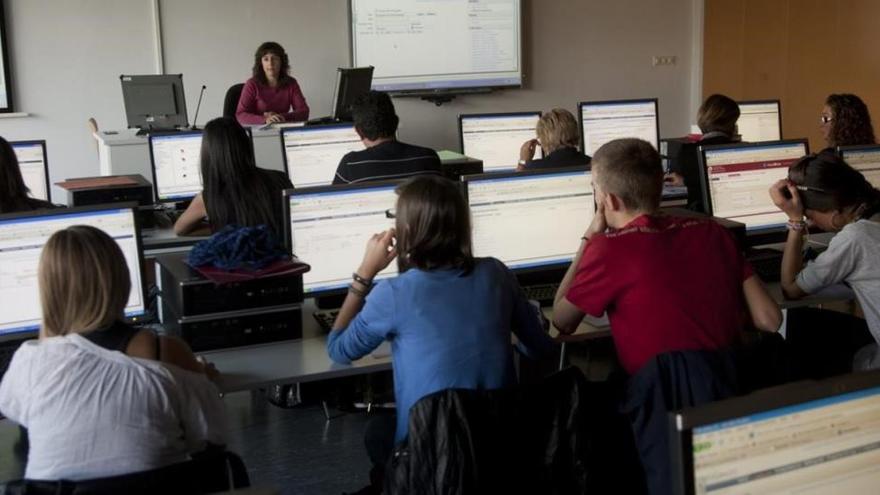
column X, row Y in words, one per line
column 438, row 44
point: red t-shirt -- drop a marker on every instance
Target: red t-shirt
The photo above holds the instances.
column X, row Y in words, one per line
column 667, row 284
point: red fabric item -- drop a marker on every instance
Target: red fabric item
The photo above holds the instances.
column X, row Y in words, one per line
column 667, row 283
column 257, row 99
column 276, row 269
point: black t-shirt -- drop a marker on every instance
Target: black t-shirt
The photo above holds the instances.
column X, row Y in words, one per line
column 567, row 156
column 385, row 161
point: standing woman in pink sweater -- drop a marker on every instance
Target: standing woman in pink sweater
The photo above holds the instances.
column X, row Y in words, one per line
column 271, row 95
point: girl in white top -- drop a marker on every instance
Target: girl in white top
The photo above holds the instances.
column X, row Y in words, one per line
column 834, row 197
column 100, row 398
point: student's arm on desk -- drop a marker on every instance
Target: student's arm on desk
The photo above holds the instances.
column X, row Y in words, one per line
column 763, row 310
column 567, row 316
column 192, row 218
column 792, row 254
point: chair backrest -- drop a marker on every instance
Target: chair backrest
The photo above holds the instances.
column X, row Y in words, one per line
column 230, row 103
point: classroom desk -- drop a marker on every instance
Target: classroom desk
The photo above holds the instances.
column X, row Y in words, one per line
column 163, row 240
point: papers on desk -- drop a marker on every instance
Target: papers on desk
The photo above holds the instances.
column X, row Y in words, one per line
column 600, row 322
column 280, row 125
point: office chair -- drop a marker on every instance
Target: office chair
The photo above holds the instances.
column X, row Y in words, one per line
column 230, row 103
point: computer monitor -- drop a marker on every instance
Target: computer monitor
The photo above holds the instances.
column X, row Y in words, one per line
column 806, row 438
column 328, row 228
column 176, row 167
column 34, row 167
column 351, row 83
column 759, row 120
column 154, row 102
column 312, row 153
column 865, row 159
column 531, row 221
column 496, row 138
column 736, row 180
column 22, row 237
column 603, row 121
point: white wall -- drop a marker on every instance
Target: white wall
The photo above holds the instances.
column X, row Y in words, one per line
column 67, row 56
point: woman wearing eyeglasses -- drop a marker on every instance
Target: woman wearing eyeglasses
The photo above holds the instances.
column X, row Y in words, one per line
column 834, row 197
column 845, row 121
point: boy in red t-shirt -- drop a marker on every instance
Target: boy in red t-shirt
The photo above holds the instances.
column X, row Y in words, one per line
column 667, row 283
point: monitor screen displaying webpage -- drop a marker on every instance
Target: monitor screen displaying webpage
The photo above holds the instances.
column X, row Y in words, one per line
column 420, row 45
column 530, row 220
column 22, row 238
column 739, row 179
column 31, row 157
column 865, row 159
column 829, row 445
column 603, row 121
column 759, row 121
column 496, row 138
column 312, row 154
column 176, row 168
column 329, row 230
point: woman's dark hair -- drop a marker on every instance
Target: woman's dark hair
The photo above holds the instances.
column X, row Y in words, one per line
column 827, row 183
column 718, row 114
column 233, row 189
column 13, row 191
column 851, row 122
column 274, row 49
column 433, row 225
column 373, row 115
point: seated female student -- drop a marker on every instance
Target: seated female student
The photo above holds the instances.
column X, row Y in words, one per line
column 234, row 190
column 716, row 118
column 845, row 121
column 98, row 397
column 558, row 135
column 271, row 95
column 834, row 197
column 13, row 192
column 447, row 315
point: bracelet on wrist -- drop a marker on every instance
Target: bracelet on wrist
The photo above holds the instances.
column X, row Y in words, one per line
column 366, row 282
column 796, row 225
column 358, row 292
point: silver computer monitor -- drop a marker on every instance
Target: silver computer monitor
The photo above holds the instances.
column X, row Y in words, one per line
column 22, row 237
column 176, row 167
column 496, row 138
column 530, row 220
column 312, row 154
column 805, row 438
column 328, row 228
column 759, row 121
column 737, row 178
column 34, row 167
column 865, row 159
column 604, row 121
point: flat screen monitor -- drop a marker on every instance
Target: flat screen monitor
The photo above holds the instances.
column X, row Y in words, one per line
column 328, row 228
column 495, row 138
column 865, row 159
column 431, row 45
column 530, row 220
column 154, row 102
column 312, row 154
column 177, row 172
column 34, row 167
column 351, row 83
column 759, row 120
column 805, row 438
column 603, row 121
column 22, row 237
column 736, row 180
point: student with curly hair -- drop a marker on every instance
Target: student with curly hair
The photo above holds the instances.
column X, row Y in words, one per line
column 845, row 121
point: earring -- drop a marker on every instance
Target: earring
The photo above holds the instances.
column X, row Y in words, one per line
column 834, row 224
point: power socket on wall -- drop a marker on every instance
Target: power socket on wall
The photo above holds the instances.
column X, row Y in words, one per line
column 663, row 60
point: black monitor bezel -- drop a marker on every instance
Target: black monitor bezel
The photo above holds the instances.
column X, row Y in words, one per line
column 288, row 231
column 754, row 237
column 760, row 102
column 153, row 163
column 682, row 423
column 580, row 116
column 56, row 212
column 133, row 122
column 463, row 116
column 342, row 94
column 304, row 128
column 532, row 272
column 41, row 142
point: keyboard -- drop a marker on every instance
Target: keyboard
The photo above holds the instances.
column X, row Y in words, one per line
column 325, row 318
column 766, row 263
column 543, row 293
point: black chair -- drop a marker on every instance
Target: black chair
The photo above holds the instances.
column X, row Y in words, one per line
column 230, row 103
column 207, row 472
